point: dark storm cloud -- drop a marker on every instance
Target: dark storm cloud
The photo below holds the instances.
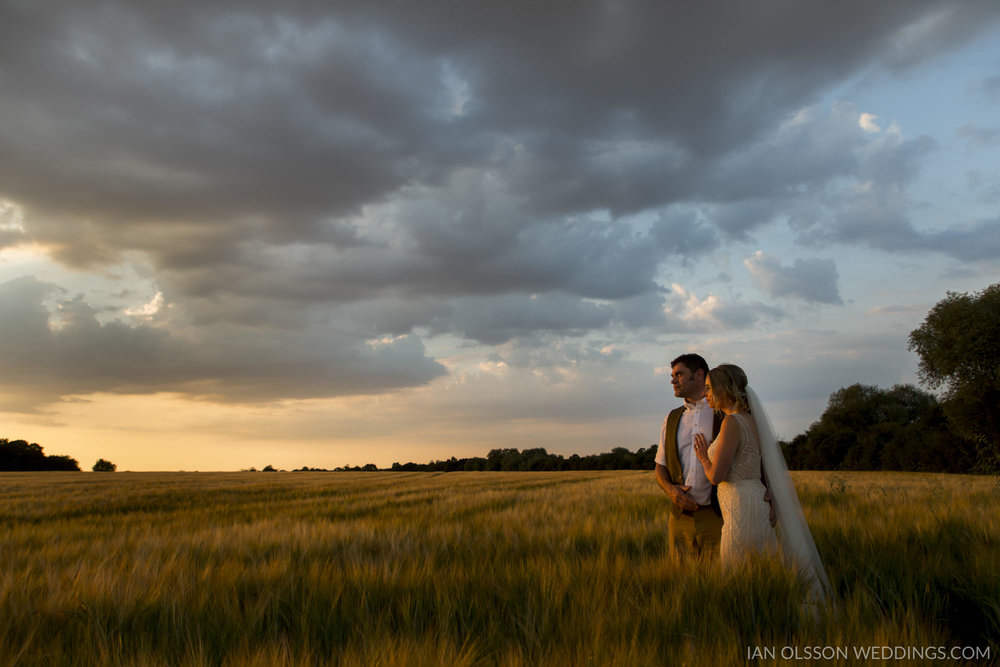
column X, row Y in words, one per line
column 291, row 170
column 268, row 123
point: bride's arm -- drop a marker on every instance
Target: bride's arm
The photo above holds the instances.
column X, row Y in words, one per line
column 725, row 451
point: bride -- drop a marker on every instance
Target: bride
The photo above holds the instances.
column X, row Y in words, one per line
column 746, row 445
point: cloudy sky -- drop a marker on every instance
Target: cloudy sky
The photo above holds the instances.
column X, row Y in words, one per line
column 242, row 233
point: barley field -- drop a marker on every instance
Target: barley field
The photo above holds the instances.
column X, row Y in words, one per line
column 392, row 568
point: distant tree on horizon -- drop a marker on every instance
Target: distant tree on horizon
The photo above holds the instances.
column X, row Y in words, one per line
column 103, row 465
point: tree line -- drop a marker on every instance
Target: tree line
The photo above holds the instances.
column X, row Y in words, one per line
column 22, row 456
column 512, row 459
column 19, row 455
column 537, row 458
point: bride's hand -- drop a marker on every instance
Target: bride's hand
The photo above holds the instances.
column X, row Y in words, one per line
column 701, row 447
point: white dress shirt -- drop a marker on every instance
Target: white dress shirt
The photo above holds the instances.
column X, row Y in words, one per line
column 697, row 418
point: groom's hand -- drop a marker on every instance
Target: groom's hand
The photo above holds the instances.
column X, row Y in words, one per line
column 681, row 498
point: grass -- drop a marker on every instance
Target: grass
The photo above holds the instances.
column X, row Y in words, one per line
column 468, row 568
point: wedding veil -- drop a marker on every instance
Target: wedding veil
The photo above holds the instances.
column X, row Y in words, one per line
column 793, row 532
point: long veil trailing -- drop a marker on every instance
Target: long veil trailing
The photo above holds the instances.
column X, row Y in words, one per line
column 793, row 532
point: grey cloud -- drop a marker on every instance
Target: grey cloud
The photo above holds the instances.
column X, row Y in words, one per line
column 48, row 355
column 389, row 290
column 934, row 30
column 736, row 220
column 800, row 164
column 876, row 217
column 136, row 125
column 565, row 174
column 832, row 182
column 473, row 236
column 315, row 176
column 691, row 314
column 51, row 354
column 498, row 319
column 396, row 316
column 813, row 280
column 11, row 237
column 542, row 352
column 804, row 151
column 645, row 311
column 894, row 309
column 462, row 239
column 991, row 87
column 975, row 179
column 231, row 112
column 741, row 315
column 603, row 261
column 563, row 389
column 976, row 136
column 977, row 241
column 892, row 161
column 684, row 233
column 862, row 198
column 11, row 225
column 23, row 317
column 984, row 189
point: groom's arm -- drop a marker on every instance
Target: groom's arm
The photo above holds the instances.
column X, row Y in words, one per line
column 677, row 493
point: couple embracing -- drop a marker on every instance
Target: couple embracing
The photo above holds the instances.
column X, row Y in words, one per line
column 719, row 463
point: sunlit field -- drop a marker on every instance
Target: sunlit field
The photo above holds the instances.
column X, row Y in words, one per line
column 470, row 568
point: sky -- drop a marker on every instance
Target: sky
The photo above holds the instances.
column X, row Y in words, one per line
column 235, row 234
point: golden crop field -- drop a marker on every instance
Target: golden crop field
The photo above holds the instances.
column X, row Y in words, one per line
column 394, row 568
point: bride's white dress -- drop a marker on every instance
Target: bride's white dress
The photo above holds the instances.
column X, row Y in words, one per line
column 746, row 524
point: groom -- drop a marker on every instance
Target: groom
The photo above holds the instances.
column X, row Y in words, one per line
column 695, row 523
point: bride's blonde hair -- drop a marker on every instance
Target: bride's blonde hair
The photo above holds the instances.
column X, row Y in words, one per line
column 730, row 382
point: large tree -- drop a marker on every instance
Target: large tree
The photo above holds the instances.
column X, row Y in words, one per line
column 868, row 428
column 959, row 348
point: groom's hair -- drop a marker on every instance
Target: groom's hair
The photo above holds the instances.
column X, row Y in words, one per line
column 694, row 362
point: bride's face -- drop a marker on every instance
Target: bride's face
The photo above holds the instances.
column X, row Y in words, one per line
column 714, row 401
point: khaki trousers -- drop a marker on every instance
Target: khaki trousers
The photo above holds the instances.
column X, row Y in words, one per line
column 696, row 534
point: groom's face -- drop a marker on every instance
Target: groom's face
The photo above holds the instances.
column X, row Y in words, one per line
column 687, row 385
